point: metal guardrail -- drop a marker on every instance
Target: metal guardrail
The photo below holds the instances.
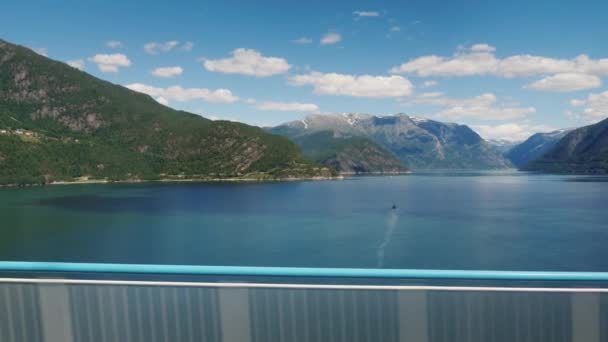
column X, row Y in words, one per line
column 73, row 310
column 24, row 266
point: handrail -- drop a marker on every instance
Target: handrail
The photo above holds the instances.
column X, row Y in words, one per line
column 25, row 266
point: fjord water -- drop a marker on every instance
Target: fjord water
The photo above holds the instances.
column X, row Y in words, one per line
column 490, row 220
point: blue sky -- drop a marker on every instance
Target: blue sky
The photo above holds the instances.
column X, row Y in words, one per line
column 507, row 68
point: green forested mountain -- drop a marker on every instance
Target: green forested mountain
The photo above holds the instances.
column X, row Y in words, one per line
column 348, row 154
column 582, row 151
column 58, row 123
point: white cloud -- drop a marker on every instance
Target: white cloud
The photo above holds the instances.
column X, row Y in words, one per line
column 167, row 71
column 162, row 100
column 462, row 64
column 510, row 131
column 428, row 84
column 479, row 60
column 395, row 28
column 577, row 103
column 366, row 13
column 331, row 38
column 482, row 48
column 528, row 65
column 353, row 85
column 76, row 63
column 434, row 94
column 41, row 51
column 154, row 47
column 566, row 82
column 113, row 44
column 177, row 93
column 288, row 106
column 110, row 63
column 187, row 46
column 248, row 62
column 482, row 107
column 596, row 105
column 303, row 40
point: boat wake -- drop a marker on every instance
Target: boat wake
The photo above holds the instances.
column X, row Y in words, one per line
column 388, row 234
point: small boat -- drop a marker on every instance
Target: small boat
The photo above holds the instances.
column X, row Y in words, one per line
column 394, row 207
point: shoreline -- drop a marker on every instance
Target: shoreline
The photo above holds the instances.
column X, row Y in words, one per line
column 177, row 180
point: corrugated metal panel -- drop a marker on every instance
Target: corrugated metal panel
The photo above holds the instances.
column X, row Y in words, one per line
column 19, row 313
column 323, row 315
column 196, row 313
column 604, row 317
column 138, row 313
column 482, row 317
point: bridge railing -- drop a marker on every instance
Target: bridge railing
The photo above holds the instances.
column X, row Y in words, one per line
column 63, row 302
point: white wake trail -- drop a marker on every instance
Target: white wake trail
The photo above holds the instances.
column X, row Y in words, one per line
column 390, row 227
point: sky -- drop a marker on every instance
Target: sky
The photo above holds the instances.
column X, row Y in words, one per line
column 508, row 69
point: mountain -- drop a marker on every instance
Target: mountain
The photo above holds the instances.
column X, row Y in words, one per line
column 348, row 154
column 502, row 146
column 59, row 123
column 581, row 151
column 418, row 143
column 534, row 147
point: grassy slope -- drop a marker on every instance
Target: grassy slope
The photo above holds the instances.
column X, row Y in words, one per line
column 121, row 133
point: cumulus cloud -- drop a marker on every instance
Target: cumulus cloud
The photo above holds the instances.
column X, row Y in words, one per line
column 331, row 38
column 162, row 100
column 482, row 107
column 188, row 46
column 76, row 63
column 113, row 44
column 303, row 40
column 366, row 13
column 41, row 51
column 395, row 28
column 177, row 93
column 111, row 62
column 167, row 72
column 596, row 105
column 577, row 103
column 566, row 82
column 248, row 62
column 480, row 60
column 482, row 48
column 427, row 84
column 354, row 85
column 510, row 131
column 288, row 106
column 154, row 47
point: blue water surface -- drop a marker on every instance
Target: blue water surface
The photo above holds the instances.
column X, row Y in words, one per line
column 443, row 220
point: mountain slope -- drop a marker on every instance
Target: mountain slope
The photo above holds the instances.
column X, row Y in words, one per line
column 582, row 151
column 534, row 147
column 57, row 123
column 349, row 155
column 418, row 143
column 502, row 146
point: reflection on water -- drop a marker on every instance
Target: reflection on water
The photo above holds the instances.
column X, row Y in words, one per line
column 588, row 179
column 98, row 203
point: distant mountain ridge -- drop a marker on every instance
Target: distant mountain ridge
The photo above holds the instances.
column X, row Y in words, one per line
column 58, row 123
column 418, row 143
column 581, row 151
column 534, row 147
column 501, row 145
